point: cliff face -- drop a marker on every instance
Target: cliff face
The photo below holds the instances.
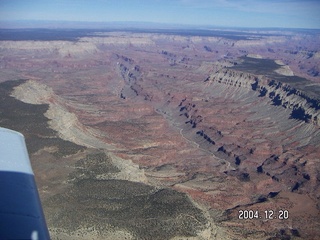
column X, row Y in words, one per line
column 260, row 127
column 243, row 128
column 64, row 122
column 177, row 111
column 302, row 106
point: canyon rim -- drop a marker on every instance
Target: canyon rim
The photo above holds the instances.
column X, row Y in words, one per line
column 169, row 134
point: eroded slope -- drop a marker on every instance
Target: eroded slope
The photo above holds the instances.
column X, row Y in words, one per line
column 88, row 193
column 180, row 112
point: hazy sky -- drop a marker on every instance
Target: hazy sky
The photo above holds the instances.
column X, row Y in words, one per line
column 238, row 13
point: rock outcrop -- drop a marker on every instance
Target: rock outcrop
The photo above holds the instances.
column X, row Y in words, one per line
column 153, row 114
column 302, row 106
column 285, row 71
column 61, row 120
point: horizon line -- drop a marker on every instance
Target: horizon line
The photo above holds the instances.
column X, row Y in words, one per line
column 143, row 24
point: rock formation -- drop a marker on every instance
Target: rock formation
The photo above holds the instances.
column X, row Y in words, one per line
column 168, row 136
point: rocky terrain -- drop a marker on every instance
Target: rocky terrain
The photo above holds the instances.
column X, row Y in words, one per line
column 168, row 136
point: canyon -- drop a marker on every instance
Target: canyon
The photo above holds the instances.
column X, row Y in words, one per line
column 169, row 135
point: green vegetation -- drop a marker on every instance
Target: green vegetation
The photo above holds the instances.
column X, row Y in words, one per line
column 29, row 119
column 257, row 66
column 143, row 210
column 267, row 68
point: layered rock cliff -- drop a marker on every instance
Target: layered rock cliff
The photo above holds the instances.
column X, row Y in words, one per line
column 61, row 120
column 302, row 106
column 180, row 114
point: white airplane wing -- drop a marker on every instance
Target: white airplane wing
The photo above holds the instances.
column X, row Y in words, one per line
column 21, row 215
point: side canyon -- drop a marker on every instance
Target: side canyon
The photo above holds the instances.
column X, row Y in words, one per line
column 167, row 136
